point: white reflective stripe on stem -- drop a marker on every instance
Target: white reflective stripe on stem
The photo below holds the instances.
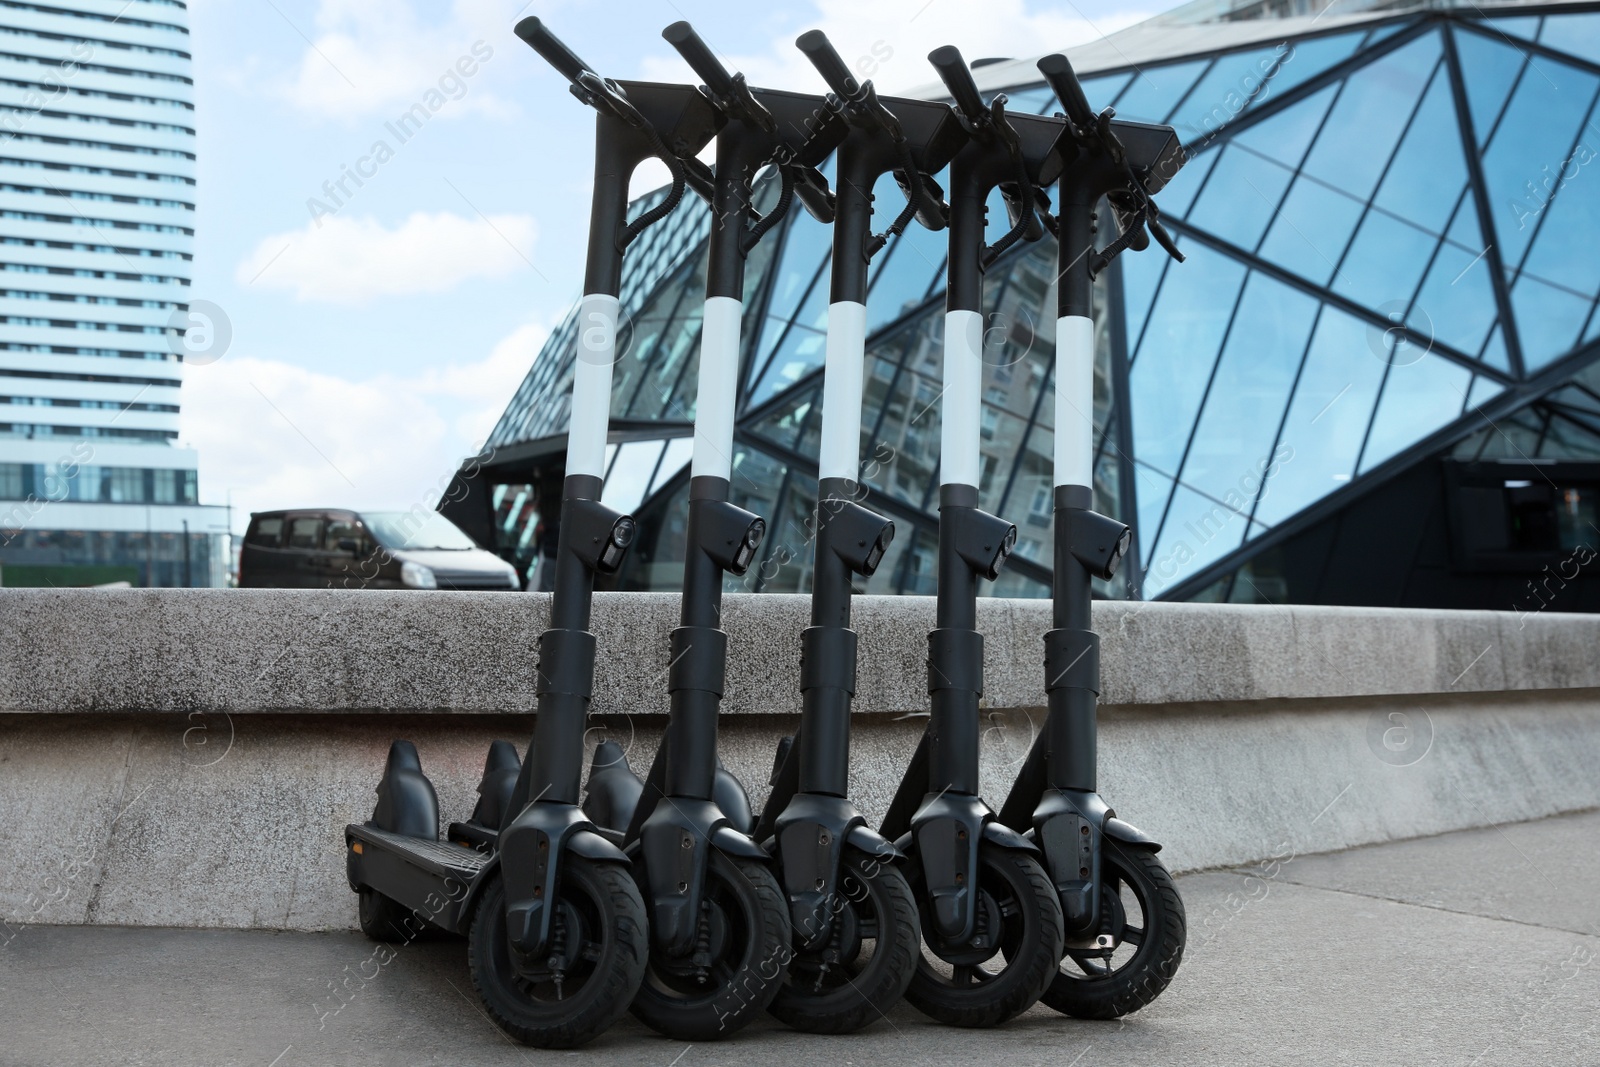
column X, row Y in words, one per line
column 591, row 385
column 1074, row 400
column 960, row 402
column 717, row 394
column 841, row 391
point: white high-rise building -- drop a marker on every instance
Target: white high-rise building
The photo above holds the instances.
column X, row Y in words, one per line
column 97, row 208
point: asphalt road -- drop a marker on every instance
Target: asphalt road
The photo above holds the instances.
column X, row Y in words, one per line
column 1469, row 949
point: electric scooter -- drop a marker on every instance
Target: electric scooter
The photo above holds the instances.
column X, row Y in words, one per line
column 1125, row 925
column 852, row 909
column 556, row 927
column 719, row 928
column 991, row 923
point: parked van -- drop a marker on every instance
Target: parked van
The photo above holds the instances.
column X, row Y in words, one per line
column 323, row 548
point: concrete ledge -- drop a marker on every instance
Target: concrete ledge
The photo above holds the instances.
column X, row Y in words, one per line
column 251, row 651
column 190, row 758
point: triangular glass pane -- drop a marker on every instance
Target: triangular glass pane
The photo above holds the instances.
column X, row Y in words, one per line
column 1241, row 197
column 1328, row 416
column 1483, row 390
column 1489, row 68
column 1198, row 532
column 1541, row 125
column 1425, row 180
column 1549, row 319
column 1370, row 115
column 1155, row 91
column 1141, row 274
column 1234, row 436
column 1576, row 34
column 1286, row 135
column 1418, row 398
column 1174, row 360
column 1569, row 439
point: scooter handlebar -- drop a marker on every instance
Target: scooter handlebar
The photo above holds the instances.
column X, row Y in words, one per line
column 698, row 55
column 815, row 45
column 957, row 77
column 1064, row 81
column 533, row 33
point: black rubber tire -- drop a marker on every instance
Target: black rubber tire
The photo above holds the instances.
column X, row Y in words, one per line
column 1141, row 977
column 878, row 897
column 612, row 916
column 382, row 919
column 1031, row 946
column 747, row 972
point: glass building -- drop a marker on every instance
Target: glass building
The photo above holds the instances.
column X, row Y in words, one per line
column 1369, row 383
column 97, row 163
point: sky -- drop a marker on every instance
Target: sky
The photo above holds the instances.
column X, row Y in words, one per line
column 386, row 288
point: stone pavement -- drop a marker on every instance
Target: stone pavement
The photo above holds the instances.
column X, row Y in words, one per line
column 1469, row 949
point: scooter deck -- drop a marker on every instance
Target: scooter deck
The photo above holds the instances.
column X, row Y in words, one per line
column 433, row 879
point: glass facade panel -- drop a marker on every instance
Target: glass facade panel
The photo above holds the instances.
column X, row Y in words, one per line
column 1418, row 398
column 1154, row 91
column 1310, row 233
column 630, row 474
column 1578, row 35
column 1198, row 532
column 1174, row 361
column 1456, row 303
column 1549, row 319
column 1542, row 122
column 1285, row 136
column 1385, row 264
column 1246, row 398
column 1327, row 417
column 1241, row 197
column 1490, row 67
column 1427, row 176
column 1369, row 116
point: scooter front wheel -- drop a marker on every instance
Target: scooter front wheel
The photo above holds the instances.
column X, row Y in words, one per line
column 738, row 965
column 598, row 945
column 868, row 961
column 1141, row 909
column 1012, row 956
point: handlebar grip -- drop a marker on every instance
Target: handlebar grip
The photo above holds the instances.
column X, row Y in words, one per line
column 815, row 45
column 548, row 45
column 698, row 55
column 1058, row 72
column 953, row 71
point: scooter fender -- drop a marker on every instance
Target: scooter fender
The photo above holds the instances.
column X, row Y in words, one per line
column 945, row 833
column 529, row 854
column 1072, row 826
column 674, row 846
column 809, row 841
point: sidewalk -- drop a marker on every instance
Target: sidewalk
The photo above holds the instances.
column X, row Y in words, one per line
column 1474, row 948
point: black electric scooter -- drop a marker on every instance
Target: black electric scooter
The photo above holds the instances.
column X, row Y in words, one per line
column 719, row 929
column 555, row 924
column 1125, row 925
column 991, row 923
column 854, row 915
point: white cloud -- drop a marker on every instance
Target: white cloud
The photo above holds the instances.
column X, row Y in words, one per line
column 279, row 435
column 343, row 260
column 372, row 57
column 889, row 40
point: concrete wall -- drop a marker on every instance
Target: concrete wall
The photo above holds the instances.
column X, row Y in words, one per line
column 181, row 757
